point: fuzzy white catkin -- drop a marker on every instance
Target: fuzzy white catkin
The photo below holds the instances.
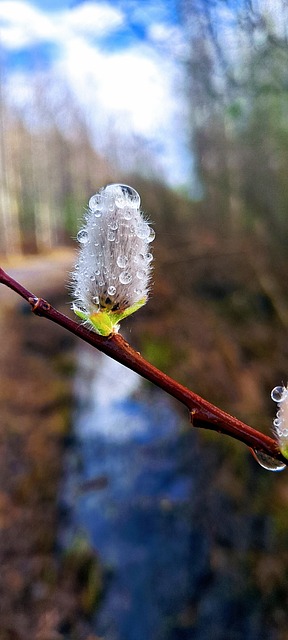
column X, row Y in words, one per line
column 280, row 423
column 114, row 263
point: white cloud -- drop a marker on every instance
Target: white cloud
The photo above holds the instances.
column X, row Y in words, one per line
column 131, row 88
column 22, row 24
column 92, row 19
column 131, row 82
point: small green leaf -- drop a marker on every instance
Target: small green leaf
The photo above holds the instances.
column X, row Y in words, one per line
column 106, row 322
column 103, row 323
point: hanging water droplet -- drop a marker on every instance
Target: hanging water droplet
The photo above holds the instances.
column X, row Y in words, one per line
column 82, row 236
column 152, row 235
column 278, row 394
column 111, row 236
column 268, row 462
column 111, row 290
column 125, row 277
column 122, row 261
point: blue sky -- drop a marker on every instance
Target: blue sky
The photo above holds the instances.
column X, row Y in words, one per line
column 119, row 58
column 121, row 61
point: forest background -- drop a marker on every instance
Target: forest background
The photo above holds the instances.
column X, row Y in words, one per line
column 218, row 316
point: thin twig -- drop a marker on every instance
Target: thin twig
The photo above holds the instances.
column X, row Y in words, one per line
column 203, row 414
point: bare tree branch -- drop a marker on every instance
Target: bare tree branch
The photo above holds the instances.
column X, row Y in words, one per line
column 203, row 414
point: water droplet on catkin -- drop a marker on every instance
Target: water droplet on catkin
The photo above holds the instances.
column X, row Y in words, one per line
column 111, row 290
column 125, row 277
column 82, row 236
column 122, row 261
column 152, row 235
column 127, row 214
column 111, row 236
column 278, row 394
column 142, row 230
column 268, row 462
column 96, row 204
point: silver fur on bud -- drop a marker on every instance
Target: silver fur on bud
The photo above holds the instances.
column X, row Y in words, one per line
column 114, row 264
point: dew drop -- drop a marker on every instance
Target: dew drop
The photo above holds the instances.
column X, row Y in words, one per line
column 152, row 235
column 278, row 394
column 82, row 236
column 101, row 283
column 139, row 292
column 122, row 261
column 97, row 272
column 124, row 195
column 140, row 274
column 149, row 257
column 143, row 231
column 127, row 213
column 111, row 236
column 111, row 290
column 96, row 204
column 268, row 462
column 113, row 225
column 125, row 277
column 92, row 278
column 95, row 300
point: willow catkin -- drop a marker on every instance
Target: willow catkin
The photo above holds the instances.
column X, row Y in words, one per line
column 112, row 276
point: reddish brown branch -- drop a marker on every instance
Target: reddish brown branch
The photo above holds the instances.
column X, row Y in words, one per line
column 203, row 413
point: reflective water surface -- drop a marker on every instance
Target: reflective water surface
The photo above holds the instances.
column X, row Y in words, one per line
column 178, row 538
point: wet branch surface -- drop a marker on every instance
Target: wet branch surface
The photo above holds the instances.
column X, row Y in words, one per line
column 203, row 414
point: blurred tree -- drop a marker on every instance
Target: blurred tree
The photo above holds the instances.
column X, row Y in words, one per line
column 238, row 90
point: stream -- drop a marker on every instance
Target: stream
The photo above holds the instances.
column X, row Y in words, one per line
column 162, row 533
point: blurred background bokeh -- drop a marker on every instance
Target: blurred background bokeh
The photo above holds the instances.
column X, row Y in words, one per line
column 117, row 520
